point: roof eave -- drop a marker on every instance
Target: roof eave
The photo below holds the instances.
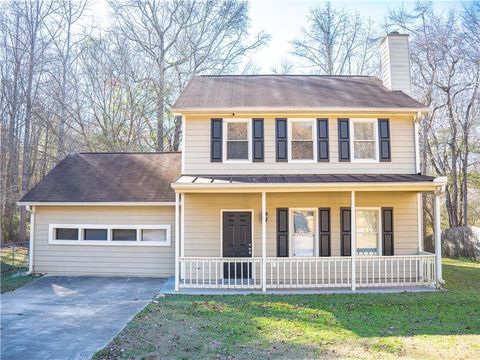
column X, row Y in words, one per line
column 434, row 185
column 95, row 203
column 297, row 110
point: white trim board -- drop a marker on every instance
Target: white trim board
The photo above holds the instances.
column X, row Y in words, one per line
column 109, row 241
column 112, row 203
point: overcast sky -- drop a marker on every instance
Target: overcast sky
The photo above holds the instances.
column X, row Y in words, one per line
column 283, row 20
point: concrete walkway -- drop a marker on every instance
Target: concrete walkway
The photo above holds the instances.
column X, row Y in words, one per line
column 70, row 317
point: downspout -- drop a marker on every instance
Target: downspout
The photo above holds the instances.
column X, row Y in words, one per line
column 31, row 210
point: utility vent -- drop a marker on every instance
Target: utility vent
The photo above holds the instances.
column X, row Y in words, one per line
column 396, row 62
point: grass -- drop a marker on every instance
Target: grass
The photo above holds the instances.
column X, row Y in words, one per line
column 13, row 265
column 411, row 325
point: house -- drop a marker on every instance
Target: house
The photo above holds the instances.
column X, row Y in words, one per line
column 283, row 182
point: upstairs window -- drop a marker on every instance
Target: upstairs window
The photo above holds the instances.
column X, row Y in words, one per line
column 237, row 139
column 364, row 140
column 302, row 140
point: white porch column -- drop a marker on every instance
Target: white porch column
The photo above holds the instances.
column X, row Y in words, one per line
column 264, row 241
column 177, row 240
column 353, row 229
column 438, row 239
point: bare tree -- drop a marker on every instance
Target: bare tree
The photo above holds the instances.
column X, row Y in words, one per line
column 284, row 67
column 446, row 77
column 338, row 42
column 181, row 39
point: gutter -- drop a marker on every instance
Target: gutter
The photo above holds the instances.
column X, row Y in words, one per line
column 302, row 187
column 31, row 210
column 297, row 110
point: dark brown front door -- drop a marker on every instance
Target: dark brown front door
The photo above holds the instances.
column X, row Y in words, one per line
column 237, row 242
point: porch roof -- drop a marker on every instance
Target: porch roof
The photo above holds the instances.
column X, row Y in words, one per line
column 294, row 182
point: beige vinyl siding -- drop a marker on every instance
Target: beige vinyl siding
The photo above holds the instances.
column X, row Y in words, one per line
column 197, row 151
column 203, row 220
column 103, row 259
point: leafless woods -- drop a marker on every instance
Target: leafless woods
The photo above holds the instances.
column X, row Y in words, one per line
column 70, row 84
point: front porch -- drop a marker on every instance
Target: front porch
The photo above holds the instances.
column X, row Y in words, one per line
column 302, row 273
column 328, row 255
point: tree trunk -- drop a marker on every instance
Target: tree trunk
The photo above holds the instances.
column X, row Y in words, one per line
column 177, row 133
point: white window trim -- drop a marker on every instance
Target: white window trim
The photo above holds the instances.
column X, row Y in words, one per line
column 352, row 140
column 249, row 139
column 314, row 136
column 379, row 230
column 109, row 241
column 315, row 234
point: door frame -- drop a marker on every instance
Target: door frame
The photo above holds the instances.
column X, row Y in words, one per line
column 252, row 232
column 290, row 235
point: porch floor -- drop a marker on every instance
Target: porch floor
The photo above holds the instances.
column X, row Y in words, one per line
column 169, row 289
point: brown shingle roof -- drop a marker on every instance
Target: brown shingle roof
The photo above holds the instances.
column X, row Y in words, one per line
column 109, row 177
column 290, row 91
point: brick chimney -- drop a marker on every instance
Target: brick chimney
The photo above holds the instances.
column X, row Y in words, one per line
column 396, row 62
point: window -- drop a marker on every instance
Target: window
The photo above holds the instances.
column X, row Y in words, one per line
column 154, row 235
column 302, row 136
column 66, row 234
column 368, row 231
column 237, row 140
column 95, row 234
column 137, row 235
column 303, row 236
column 124, row 235
column 364, row 141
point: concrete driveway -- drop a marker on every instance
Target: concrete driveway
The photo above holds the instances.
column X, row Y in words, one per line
column 59, row 317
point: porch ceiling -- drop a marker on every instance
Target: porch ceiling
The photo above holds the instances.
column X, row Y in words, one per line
column 313, row 182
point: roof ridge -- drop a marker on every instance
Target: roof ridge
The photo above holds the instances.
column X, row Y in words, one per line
column 286, row 75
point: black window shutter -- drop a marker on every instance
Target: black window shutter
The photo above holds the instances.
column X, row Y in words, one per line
column 346, row 231
column 216, row 140
column 322, row 134
column 281, row 139
column 343, row 140
column 384, row 139
column 282, row 232
column 387, row 231
column 257, row 143
column 324, row 231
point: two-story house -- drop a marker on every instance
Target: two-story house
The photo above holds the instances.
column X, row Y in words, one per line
column 283, row 182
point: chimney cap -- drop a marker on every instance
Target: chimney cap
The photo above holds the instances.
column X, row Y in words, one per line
column 396, row 33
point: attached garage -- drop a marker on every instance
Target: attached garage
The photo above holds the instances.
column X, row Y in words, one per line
column 105, row 214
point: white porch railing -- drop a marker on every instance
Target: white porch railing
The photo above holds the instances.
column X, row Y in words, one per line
column 220, row 273
column 307, row 272
column 389, row 271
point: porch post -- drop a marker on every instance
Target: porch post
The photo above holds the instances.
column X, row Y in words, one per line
column 177, row 240
column 438, row 239
column 353, row 236
column 264, row 241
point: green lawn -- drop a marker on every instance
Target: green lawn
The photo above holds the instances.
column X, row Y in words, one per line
column 422, row 325
column 13, row 265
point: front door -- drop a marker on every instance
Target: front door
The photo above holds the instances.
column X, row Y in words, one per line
column 237, row 242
